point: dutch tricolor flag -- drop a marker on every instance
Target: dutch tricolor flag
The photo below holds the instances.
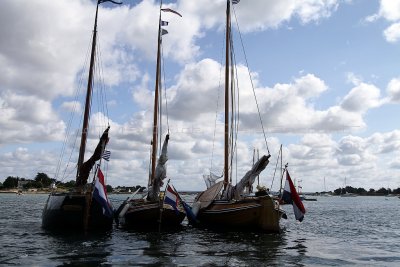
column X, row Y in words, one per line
column 100, row 194
column 172, row 198
column 290, row 196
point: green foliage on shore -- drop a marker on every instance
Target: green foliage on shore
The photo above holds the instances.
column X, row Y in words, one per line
column 362, row 192
column 41, row 181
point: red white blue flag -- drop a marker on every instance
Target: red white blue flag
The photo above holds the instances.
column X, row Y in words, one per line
column 100, row 194
column 290, row 196
column 172, row 198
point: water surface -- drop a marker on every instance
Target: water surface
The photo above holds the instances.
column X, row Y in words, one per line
column 336, row 231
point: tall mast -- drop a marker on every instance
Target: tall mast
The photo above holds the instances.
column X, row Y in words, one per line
column 155, row 121
column 85, row 125
column 226, row 137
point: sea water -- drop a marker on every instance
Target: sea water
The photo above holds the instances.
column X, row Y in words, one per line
column 336, row 231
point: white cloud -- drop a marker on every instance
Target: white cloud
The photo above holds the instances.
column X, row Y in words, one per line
column 261, row 14
column 390, row 9
column 41, row 65
column 393, row 90
column 73, row 106
column 312, row 10
column 392, row 33
column 28, row 118
column 361, row 98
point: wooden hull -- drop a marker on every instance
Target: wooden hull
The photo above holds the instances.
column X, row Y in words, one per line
column 249, row 214
column 67, row 212
column 143, row 214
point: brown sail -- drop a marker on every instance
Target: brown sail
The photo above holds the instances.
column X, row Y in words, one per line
column 88, row 165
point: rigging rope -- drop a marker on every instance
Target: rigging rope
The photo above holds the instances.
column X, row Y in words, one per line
column 218, row 97
column 276, row 167
column 70, row 121
column 165, row 87
column 251, row 80
column 102, row 87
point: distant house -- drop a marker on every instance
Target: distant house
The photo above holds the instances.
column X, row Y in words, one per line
column 53, row 185
column 21, row 184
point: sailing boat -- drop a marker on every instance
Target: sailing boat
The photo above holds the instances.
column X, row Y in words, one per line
column 152, row 212
column 344, row 192
column 86, row 207
column 224, row 206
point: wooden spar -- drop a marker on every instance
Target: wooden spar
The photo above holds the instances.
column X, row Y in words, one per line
column 226, row 147
column 85, row 125
column 155, row 122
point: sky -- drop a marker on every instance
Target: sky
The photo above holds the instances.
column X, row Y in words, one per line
column 326, row 75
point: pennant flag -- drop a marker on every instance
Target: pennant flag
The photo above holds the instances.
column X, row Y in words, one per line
column 100, row 194
column 170, row 10
column 189, row 213
column 114, row 2
column 164, row 23
column 290, row 196
column 106, row 155
column 235, row 1
column 163, row 31
column 172, row 198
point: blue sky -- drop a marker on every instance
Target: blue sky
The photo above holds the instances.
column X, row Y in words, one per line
column 326, row 75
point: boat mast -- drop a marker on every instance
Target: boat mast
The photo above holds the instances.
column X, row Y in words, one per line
column 226, row 137
column 85, row 125
column 156, row 103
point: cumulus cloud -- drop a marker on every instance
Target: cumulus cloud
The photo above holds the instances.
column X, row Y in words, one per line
column 390, row 11
column 393, row 90
column 73, row 106
column 392, row 33
column 362, row 98
column 27, row 118
column 196, row 91
column 261, row 14
column 42, row 68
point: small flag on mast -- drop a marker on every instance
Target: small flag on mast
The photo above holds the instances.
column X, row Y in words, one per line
column 163, row 31
column 106, row 155
column 170, row 10
column 164, row 23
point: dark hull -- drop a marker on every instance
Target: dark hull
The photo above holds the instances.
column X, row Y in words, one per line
column 68, row 212
column 146, row 215
column 249, row 214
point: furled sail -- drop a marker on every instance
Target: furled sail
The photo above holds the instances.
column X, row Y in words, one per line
column 161, row 173
column 210, row 179
column 249, row 177
column 88, row 165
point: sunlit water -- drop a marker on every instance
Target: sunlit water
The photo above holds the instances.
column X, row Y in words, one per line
column 358, row 231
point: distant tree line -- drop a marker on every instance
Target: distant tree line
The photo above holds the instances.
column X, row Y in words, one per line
column 371, row 192
column 42, row 181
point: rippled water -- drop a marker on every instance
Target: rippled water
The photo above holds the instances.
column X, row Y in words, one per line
column 335, row 232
